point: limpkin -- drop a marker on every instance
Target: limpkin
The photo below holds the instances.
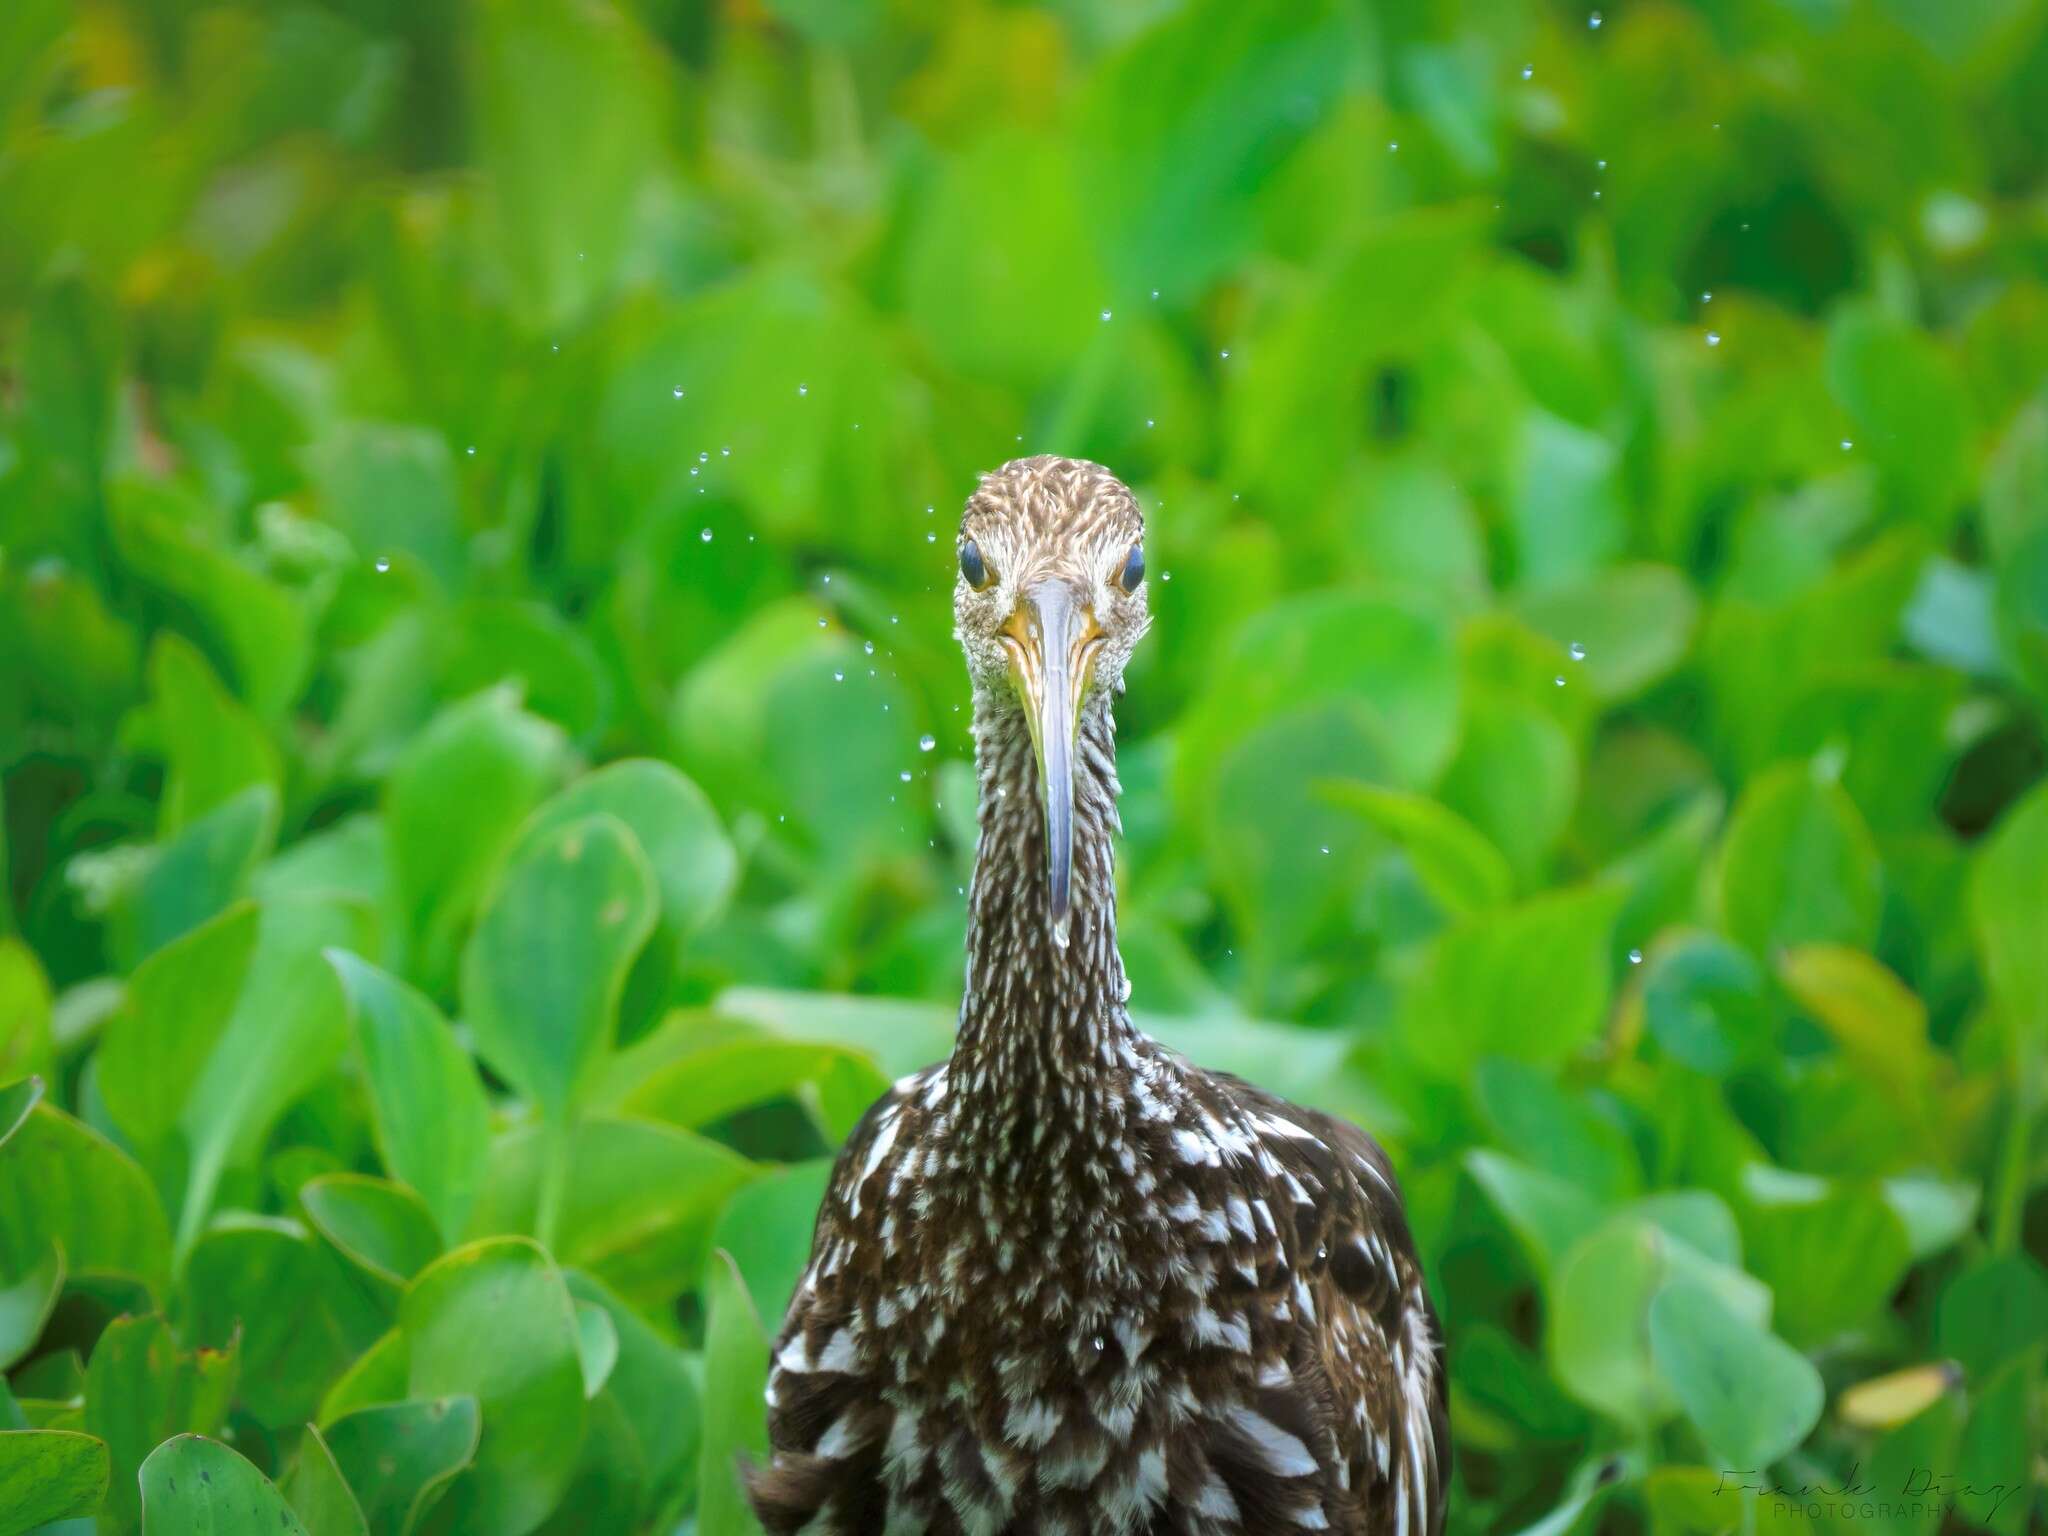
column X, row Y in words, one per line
column 1065, row 1281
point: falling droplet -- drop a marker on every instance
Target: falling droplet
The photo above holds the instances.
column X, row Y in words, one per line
column 1713, row 338
column 1155, row 293
column 1593, row 21
column 1635, row 957
column 1578, row 651
column 1326, row 847
column 931, row 538
column 803, row 389
column 383, row 565
column 1528, row 71
column 1707, row 297
column 1596, row 194
column 705, row 535
column 725, row 453
column 838, row 676
column 1166, row 575
column 470, row 450
column 869, row 647
column 1559, row 679
column 904, row 775
column 1602, row 164
column 821, row 623
column 1847, row 445
column 1149, row 422
column 1393, row 146
column 1224, row 354
column 927, row 742
column 1105, row 316
column 677, row 391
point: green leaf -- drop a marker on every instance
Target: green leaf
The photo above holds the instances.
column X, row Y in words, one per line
column 193, row 1486
column 1529, row 982
column 1704, row 1001
column 494, row 1321
column 597, row 1346
column 299, row 1316
column 1904, row 395
column 392, row 490
column 318, row 1492
column 1546, row 1213
column 1565, row 502
column 565, row 127
column 48, row 1475
column 25, row 1043
column 427, row 1106
column 400, row 1459
column 154, row 1050
column 181, row 883
column 639, row 1202
column 381, row 1226
column 1798, row 865
column 213, row 748
column 544, row 970
column 26, row 1301
column 653, row 1383
column 140, row 1389
column 377, row 1377
column 452, row 804
column 1831, row 1253
column 2008, row 892
column 1460, row 868
column 735, row 1376
column 1993, row 1313
column 64, row 1185
column 1180, row 130
column 1751, row 1396
column 1624, row 627
column 1596, row 1317
column 766, row 1230
column 1529, row 1111
column 701, row 1086
column 17, row 1100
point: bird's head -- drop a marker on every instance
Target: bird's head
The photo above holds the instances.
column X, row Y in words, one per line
column 1049, row 605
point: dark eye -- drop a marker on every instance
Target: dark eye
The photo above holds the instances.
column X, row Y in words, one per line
column 1134, row 568
column 972, row 566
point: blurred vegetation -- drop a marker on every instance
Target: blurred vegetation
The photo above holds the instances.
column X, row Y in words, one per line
column 483, row 756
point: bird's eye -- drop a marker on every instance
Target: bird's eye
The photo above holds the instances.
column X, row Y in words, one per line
column 972, row 566
column 1134, row 569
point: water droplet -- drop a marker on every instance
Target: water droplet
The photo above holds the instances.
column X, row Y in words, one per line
column 1596, row 194
column 1601, row 164
column 1707, row 297
column 927, row 742
column 1150, row 423
column 838, row 676
column 705, row 535
column 1528, row 71
column 1593, row 21
column 1224, row 354
column 904, row 775
column 1635, row 957
column 677, row 392
column 693, row 471
column 1847, row 445
column 470, row 450
column 725, row 453
column 1578, row 651
column 1099, row 1345
column 821, row 623
column 1393, row 146
column 895, row 618
column 869, row 647
column 704, row 457
column 1713, row 338
column 803, row 389
column 931, row 538
column 1105, row 316
column 1326, row 847
column 1166, row 575
column 383, row 565
column 828, row 578
column 1559, row 679
column 1155, row 293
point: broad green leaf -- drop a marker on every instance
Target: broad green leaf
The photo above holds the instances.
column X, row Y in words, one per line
column 1514, row 777
column 1704, row 1000
column 544, row 970
column 377, row 1377
column 766, row 1229
column 26, row 1301
column 1529, row 1111
column 17, row 1100
column 1171, row 173
column 300, row 1315
column 1751, row 1396
column 1993, row 1313
column 638, row 1206
column 381, row 1226
column 1903, row 393
column 193, row 1486
column 1874, row 1018
column 566, row 131
column 48, row 1475
column 399, row 1459
column 1529, row 982
column 597, row 1346
column 428, row 1109
column 320, row 1496
column 494, row 1321
column 25, row 1044
column 64, row 1185
column 140, row 1388
column 392, row 490
column 154, row 1050
column 1798, row 866
column 1623, row 627
column 1831, row 1253
column 653, row 1383
column 1565, row 503
column 1462, row 870
column 179, row 884
column 2004, row 1427
column 703, row 1086
column 1546, row 1213
column 735, row 1376
column 452, row 804
column 2008, row 894
column 212, row 747
column 1596, row 1321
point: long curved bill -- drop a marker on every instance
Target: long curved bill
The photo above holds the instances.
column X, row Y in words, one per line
column 1052, row 640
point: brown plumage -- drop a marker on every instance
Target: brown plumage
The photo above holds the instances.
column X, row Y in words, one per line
column 1066, row 1282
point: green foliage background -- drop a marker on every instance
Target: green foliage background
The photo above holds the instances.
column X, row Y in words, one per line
column 486, row 789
